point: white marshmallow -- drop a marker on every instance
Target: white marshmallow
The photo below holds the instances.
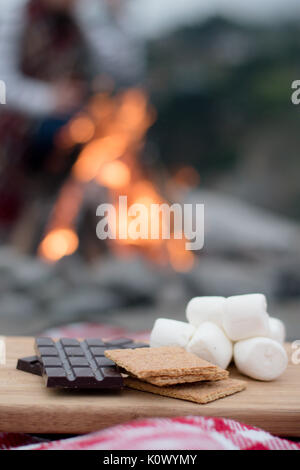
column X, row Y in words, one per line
column 202, row 309
column 260, row 358
column 245, row 316
column 171, row 333
column 210, row 343
column 2, row 352
column 277, row 330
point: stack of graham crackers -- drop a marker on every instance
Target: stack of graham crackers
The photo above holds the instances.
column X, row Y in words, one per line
column 174, row 372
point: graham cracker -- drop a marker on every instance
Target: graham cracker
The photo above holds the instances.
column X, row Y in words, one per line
column 166, row 361
column 201, row 393
column 165, row 380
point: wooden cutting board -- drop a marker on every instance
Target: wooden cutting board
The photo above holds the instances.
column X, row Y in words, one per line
column 27, row 406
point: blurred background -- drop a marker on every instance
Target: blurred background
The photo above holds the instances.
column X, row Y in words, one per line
column 160, row 101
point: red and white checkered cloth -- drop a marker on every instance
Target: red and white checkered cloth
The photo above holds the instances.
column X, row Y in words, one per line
column 182, row 433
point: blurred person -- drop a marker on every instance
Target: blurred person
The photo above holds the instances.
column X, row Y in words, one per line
column 51, row 53
column 43, row 47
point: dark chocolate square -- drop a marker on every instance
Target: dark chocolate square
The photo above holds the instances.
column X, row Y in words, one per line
column 52, row 362
column 110, row 372
column 44, row 342
column 48, row 351
column 79, row 362
column 97, row 351
column 139, row 345
column 118, row 342
column 104, row 362
column 30, row 364
column 69, row 342
column 83, row 372
column 70, row 351
column 95, row 342
column 55, row 372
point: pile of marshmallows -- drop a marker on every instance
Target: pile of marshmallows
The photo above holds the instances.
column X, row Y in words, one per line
column 221, row 329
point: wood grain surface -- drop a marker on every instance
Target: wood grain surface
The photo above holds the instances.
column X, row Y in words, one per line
column 27, row 406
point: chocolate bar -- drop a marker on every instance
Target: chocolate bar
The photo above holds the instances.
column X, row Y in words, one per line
column 30, row 364
column 72, row 364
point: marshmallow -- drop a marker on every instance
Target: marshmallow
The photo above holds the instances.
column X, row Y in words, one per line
column 210, row 343
column 202, row 309
column 245, row 316
column 277, row 330
column 171, row 333
column 260, row 358
column 2, row 352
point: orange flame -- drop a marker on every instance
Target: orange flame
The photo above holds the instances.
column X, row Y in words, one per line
column 96, row 154
column 112, row 131
column 81, row 129
column 59, row 243
column 114, row 175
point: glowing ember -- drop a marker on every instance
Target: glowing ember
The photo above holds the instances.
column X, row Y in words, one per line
column 59, row 243
column 96, row 154
column 81, row 129
column 114, row 175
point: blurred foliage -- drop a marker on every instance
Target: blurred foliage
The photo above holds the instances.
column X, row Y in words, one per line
column 214, row 82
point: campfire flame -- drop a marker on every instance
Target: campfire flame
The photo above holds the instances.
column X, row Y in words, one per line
column 59, row 243
column 111, row 131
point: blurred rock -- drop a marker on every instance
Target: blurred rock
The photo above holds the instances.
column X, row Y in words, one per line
column 133, row 276
column 83, row 304
column 173, row 294
column 221, row 276
column 50, row 291
column 234, row 226
column 14, row 306
column 74, row 271
column 31, row 274
column 9, row 259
